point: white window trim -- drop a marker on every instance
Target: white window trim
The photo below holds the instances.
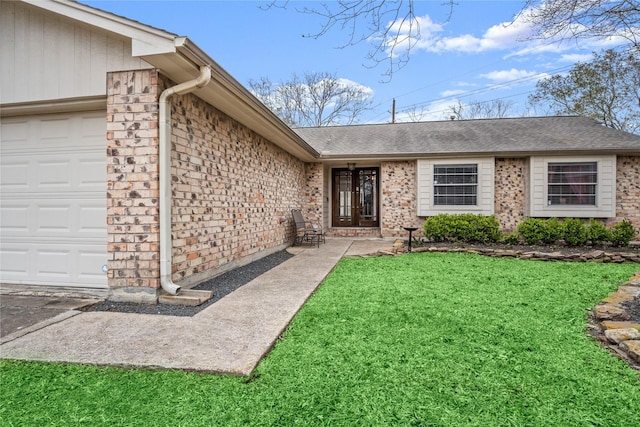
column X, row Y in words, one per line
column 486, row 182
column 605, row 191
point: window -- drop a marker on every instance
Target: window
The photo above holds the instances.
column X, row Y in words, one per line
column 572, row 183
column 572, row 186
column 455, row 185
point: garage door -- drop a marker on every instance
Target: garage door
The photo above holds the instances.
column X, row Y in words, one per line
column 53, row 200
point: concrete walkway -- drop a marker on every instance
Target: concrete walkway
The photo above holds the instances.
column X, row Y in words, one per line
column 230, row 336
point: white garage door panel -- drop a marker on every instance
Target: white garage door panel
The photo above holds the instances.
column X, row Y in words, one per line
column 54, row 219
column 14, row 220
column 53, row 207
column 14, row 176
column 84, row 218
column 14, row 262
column 52, row 264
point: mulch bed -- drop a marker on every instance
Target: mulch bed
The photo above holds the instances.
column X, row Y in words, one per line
column 221, row 286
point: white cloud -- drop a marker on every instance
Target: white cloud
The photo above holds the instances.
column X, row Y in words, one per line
column 505, row 35
column 451, row 92
column 508, row 75
column 516, row 36
column 572, row 58
column 365, row 90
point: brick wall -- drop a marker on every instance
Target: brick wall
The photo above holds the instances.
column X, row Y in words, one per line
column 398, row 198
column 510, row 190
column 398, row 194
column 628, row 191
column 132, row 185
column 232, row 189
column 314, row 193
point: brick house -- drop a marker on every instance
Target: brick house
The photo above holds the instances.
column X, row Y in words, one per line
column 511, row 168
column 110, row 126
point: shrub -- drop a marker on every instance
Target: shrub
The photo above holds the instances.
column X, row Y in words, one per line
column 622, row 233
column 532, row 230
column 462, row 227
column 597, row 232
column 552, row 231
column 574, row 232
column 436, row 228
column 512, row 238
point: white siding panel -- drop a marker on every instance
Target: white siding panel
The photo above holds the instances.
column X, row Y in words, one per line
column 53, row 200
column 7, row 45
column 35, row 45
column 46, row 57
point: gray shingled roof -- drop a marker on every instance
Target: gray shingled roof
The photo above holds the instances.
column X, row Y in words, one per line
column 520, row 136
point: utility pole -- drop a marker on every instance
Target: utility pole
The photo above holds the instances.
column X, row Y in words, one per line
column 393, row 111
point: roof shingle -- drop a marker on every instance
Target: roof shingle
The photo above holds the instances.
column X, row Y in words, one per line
column 518, row 136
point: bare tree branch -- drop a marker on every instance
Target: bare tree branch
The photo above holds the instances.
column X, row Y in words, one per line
column 390, row 26
column 493, row 109
column 575, row 19
column 315, row 99
column 393, row 28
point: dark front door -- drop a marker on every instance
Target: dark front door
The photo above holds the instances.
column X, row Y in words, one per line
column 355, row 197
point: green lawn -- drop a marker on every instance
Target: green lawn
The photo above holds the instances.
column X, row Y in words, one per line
column 422, row 339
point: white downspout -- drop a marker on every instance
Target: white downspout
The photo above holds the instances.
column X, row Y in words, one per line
column 165, row 174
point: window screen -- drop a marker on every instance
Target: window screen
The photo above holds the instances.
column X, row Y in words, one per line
column 455, row 185
column 572, row 183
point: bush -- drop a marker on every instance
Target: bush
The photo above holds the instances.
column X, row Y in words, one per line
column 622, row 233
column 512, row 238
column 533, row 230
column 574, row 232
column 597, row 232
column 553, row 231
column 462, row 227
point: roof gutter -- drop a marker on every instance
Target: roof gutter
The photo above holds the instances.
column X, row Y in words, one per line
column 166, row 244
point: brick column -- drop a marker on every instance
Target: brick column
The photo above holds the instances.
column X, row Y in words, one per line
column 133, row 185
column 627, row 191
column 398, row 199
column 510, row 190
column 314, row 201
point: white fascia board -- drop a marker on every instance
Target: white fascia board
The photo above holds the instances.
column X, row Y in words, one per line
column 146, row 40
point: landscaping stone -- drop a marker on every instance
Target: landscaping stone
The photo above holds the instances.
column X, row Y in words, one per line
column 623, row 294
column 613, row 324
column 593, row 256
column 632, row 348
column 618, row 335
column 610, row 312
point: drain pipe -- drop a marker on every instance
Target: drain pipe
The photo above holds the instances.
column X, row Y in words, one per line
column 165, row 174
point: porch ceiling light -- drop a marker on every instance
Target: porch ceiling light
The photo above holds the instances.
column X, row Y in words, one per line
column 351, row 166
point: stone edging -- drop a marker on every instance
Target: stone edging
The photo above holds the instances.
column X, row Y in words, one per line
column 612, row 325
column 399, row 248
column 595, row 255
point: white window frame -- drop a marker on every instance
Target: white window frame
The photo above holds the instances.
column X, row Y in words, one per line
column 605, row 206
column 485, row 187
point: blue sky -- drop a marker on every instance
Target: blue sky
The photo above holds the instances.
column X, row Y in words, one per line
column 475, row 56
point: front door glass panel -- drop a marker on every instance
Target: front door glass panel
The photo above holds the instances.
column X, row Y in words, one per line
column 355, row 197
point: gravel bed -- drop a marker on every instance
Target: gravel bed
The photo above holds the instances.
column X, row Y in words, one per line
column 221, row 286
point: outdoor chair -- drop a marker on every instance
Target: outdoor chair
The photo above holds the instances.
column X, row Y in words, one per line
column 306, row 231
